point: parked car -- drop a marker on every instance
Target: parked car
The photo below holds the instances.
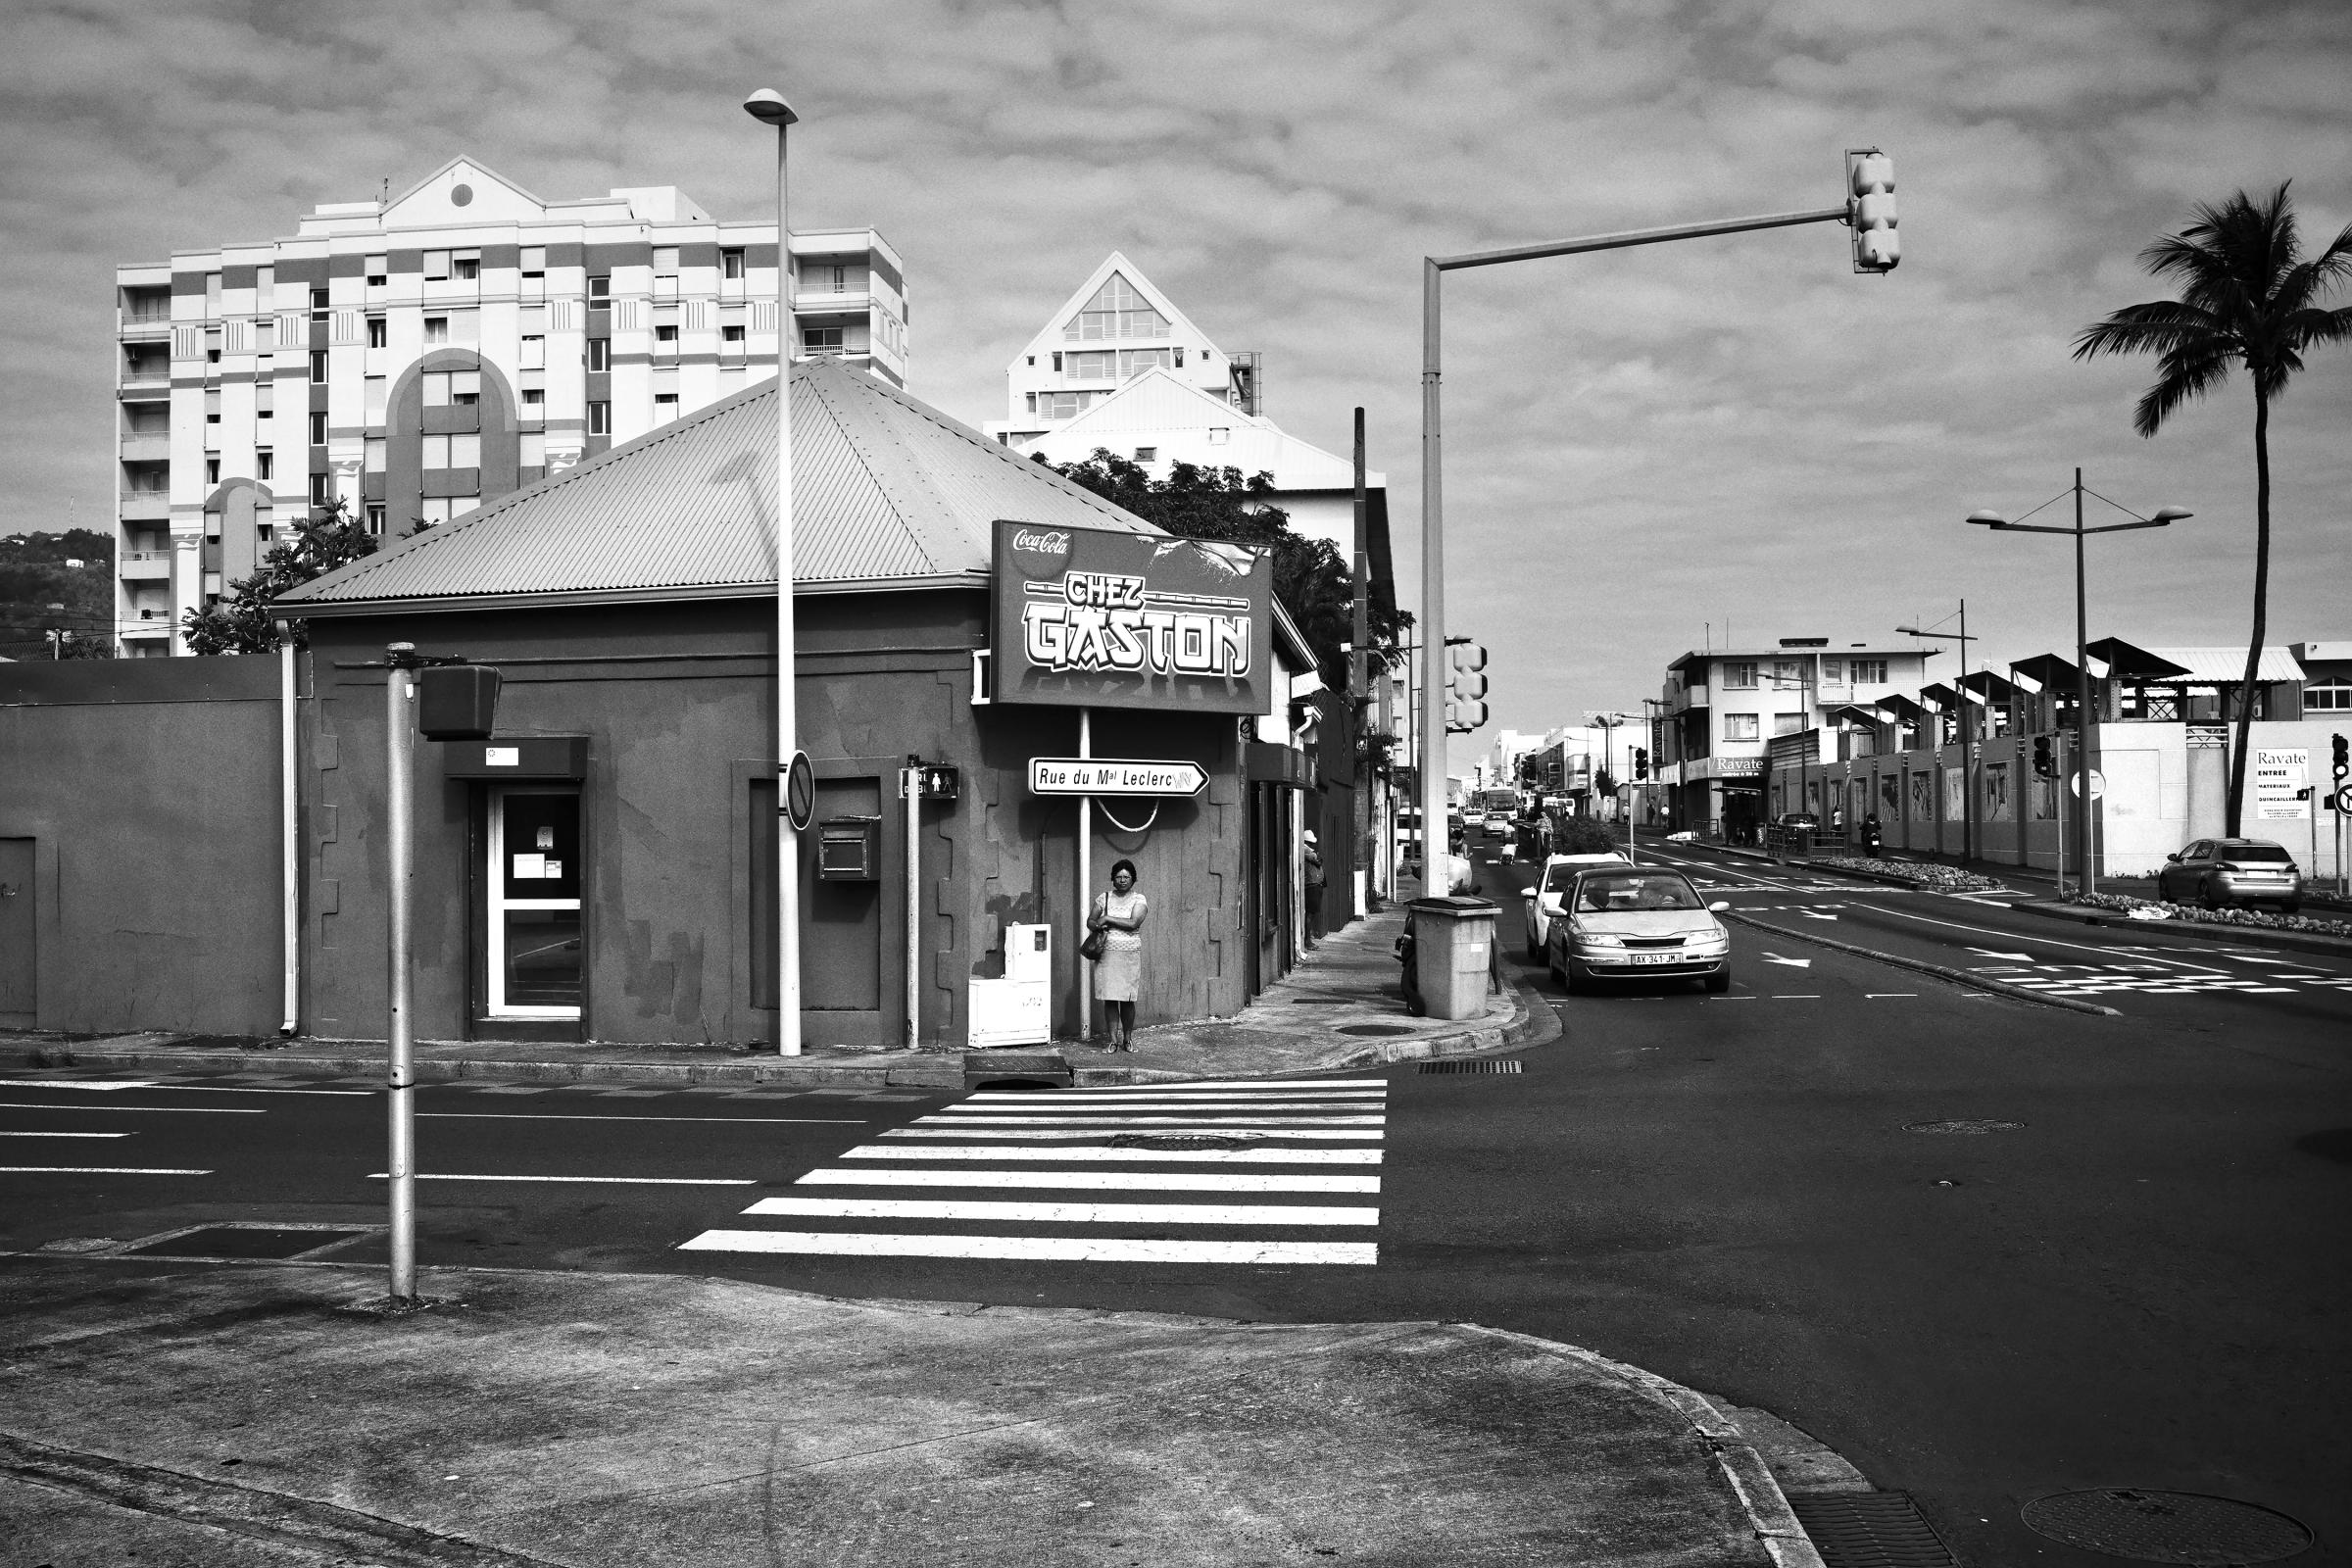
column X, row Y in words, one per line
column 1790, row 821
column 1638, row 922
column 2214, row 872
column 1542, row 903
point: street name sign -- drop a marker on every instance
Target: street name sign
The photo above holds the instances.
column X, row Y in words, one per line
column 1113, row 775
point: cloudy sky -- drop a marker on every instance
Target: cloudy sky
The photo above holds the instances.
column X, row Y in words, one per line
column 1644, row 448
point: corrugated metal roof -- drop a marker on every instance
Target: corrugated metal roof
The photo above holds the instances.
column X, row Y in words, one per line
column 2229, row 664
column 884, row 488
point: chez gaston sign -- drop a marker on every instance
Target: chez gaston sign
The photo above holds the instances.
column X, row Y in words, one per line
column 1102, row 617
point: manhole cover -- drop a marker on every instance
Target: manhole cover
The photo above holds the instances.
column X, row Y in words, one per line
column 2166, row 1526
column 1470, row 1066
column 244, row 1241
column 1374, row 1029
column 1182, row 1141
column 1964, row 1128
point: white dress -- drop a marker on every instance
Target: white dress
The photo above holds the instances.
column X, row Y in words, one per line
column 1119, row 974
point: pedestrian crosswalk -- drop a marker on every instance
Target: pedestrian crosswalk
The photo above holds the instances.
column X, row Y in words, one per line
column 1252, row 1172
column 2162, row 980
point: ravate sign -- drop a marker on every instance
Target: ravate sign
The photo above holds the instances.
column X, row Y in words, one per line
column 1100, row 617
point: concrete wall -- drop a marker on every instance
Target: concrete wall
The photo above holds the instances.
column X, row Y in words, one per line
column 150, row 791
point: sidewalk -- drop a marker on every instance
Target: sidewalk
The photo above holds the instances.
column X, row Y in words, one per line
column 274, row 1415
column 1341, row 1008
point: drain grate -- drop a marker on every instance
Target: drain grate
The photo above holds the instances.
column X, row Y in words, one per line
column 1183, row 1141
column 1964, row 1128
column 1374, row 1029
column 1480, row 1065
column 1869, row 1530
column 2186, row 1527
column 246, row 1241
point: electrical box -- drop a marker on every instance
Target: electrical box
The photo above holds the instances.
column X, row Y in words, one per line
column 849, row 849
column 457, row 701
column 1018, row 1009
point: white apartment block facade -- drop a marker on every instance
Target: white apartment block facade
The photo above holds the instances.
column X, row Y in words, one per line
column 419, row 356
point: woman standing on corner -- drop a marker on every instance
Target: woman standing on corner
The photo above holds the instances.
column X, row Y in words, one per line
column 1119, row 916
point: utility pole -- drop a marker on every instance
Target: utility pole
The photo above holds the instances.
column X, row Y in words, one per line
column 1359, row 668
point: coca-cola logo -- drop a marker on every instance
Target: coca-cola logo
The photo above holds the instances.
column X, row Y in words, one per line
column 1044, row 544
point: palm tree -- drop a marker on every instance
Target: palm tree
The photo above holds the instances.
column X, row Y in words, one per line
column 2247, row 294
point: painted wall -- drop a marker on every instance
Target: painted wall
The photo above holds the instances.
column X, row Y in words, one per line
column 149, row 790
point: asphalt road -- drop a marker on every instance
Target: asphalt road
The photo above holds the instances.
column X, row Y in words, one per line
column 2134, row 1275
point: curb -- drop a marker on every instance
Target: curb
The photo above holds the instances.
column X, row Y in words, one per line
column 1976, row 981
column 1532, row 1023
column 2250, row 936
column 1887, row 878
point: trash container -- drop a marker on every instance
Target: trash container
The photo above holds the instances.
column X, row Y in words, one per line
column 1454, row 946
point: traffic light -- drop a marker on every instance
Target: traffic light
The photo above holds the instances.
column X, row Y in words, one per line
column 1870, row 210
column 1467, row 705
column 2343, row 764
column 1641, row 762
column 2044, row 766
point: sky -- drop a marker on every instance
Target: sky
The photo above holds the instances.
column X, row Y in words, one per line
column 1646, row 450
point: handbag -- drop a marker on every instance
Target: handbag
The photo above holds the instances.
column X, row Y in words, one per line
column 1091, row 950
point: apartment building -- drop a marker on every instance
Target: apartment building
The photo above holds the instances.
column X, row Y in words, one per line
column 419, row 356
column 1724, row 706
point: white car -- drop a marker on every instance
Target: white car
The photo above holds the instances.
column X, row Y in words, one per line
column 1542, row 903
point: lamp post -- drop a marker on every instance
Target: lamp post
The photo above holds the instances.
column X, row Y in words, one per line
column 1868, row 212
column 768, row 105
column 2165, row 517
column 1968, row 734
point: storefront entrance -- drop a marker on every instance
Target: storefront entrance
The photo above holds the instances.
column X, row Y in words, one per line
column 533, row 880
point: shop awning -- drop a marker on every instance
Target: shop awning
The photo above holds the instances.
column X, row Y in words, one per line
column 2046, row 672
column 2128, row 662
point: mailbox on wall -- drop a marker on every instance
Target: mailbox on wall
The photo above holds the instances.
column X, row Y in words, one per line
column 849, row 849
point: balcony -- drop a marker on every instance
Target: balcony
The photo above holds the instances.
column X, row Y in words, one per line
column 154, row 376
column 144, row 326
column 144, row 506
column 146, row 446
column 146, row 565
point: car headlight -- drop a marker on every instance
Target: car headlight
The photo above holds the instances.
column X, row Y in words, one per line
column 1709, row 939
column 1595, row 939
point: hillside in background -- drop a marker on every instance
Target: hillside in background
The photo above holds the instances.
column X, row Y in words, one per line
column 37, row 571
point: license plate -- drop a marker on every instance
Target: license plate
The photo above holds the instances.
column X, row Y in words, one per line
column 1657, row 957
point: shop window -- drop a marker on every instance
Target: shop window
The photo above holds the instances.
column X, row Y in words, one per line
column 535, row 964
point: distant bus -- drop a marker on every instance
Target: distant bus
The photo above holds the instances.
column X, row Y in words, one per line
column 1500, row 807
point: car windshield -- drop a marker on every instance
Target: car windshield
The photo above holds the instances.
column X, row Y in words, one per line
column 2267, row 854
column 1611, row 894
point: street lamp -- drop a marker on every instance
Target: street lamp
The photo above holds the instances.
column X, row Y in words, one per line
column 1967, row 733
column 1868, row 211
column 2084, row 731
column 768, row 105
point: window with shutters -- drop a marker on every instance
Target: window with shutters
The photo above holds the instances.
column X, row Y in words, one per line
column 379, row 271
column 1740, row 726
column 436, row 267
column 467, row 265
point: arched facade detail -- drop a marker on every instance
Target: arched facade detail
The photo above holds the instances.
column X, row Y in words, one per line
column 407, row 483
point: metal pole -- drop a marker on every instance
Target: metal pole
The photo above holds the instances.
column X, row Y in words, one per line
column 2058, row 745
column 289, row 848
column 1433, row 843
column 1968, row 752
column 400, row 1080
column 788, row 837
column 910, row 785
column 2085, row 849
column 1086, row 878
column 1360, row 666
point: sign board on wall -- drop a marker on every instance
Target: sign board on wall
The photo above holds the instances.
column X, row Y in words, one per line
column 2277, row 776
column 1116, row 775
column 1099, row 618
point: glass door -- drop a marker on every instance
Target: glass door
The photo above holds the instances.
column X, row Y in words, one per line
column 536, row 966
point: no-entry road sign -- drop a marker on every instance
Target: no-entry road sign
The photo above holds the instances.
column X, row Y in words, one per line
column 1113, row 775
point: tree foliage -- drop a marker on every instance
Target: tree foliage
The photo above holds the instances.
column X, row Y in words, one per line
column 2248, row 297
column 1195, row 503
column 240, row 623
column 35, row 574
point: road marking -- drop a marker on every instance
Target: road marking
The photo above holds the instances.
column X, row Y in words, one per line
column 1797, row 995
column 176, row 1111
column 1035, row 1248
column 1083, row 1134
column 999, row 1120
column 1815, row 914
column 549, row 1115
column 2048, row 941
column 1257, row 1086
column 178, row 1089
column 1093, row 1180
column 1794, row 963
column 2021, row 958
column 611, row 1181
column 93, row 1170
column 1868, row 996
column 65, row 1135
column 1245, row 1156
column 1353, row 1100
column 1065, row 1213
column 97, row 1085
